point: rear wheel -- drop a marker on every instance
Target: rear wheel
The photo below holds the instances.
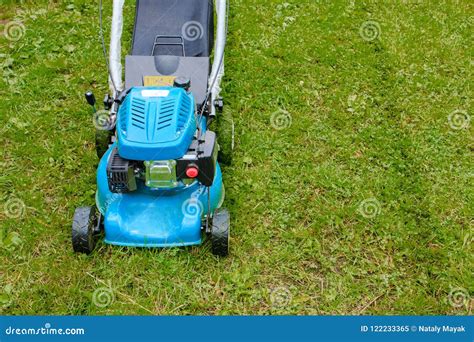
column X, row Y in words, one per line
column 103, row 139
column 84, row 226
column 225, row 135
column 220, row 232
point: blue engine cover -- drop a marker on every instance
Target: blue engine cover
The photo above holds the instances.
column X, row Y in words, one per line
column 156, row 123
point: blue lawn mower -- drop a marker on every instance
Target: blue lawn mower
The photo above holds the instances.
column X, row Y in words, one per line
column 159, row 182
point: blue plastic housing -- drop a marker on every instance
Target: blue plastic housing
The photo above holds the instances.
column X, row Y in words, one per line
column 156, row 123
column 155, row 218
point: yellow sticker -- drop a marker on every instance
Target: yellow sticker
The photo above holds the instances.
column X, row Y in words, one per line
column 158, row 81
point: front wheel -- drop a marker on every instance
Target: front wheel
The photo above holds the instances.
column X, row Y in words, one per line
column 220, row 232
column 84, row 230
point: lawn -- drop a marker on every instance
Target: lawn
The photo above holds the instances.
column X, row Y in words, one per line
column 351, row 190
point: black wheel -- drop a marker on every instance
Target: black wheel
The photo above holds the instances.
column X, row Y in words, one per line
column 220, row 232
column 84, row 232
column 103, row 138
column 225, row 136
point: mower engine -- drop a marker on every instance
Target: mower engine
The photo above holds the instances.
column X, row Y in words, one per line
column 159, row 143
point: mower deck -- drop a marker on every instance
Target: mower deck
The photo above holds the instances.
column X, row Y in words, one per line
column 155, row 218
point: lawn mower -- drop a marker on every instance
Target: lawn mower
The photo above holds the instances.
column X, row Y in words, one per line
column 159, row 181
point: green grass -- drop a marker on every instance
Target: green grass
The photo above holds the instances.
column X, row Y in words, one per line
column 369, row 121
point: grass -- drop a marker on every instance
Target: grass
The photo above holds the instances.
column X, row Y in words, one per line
column 351, row 190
